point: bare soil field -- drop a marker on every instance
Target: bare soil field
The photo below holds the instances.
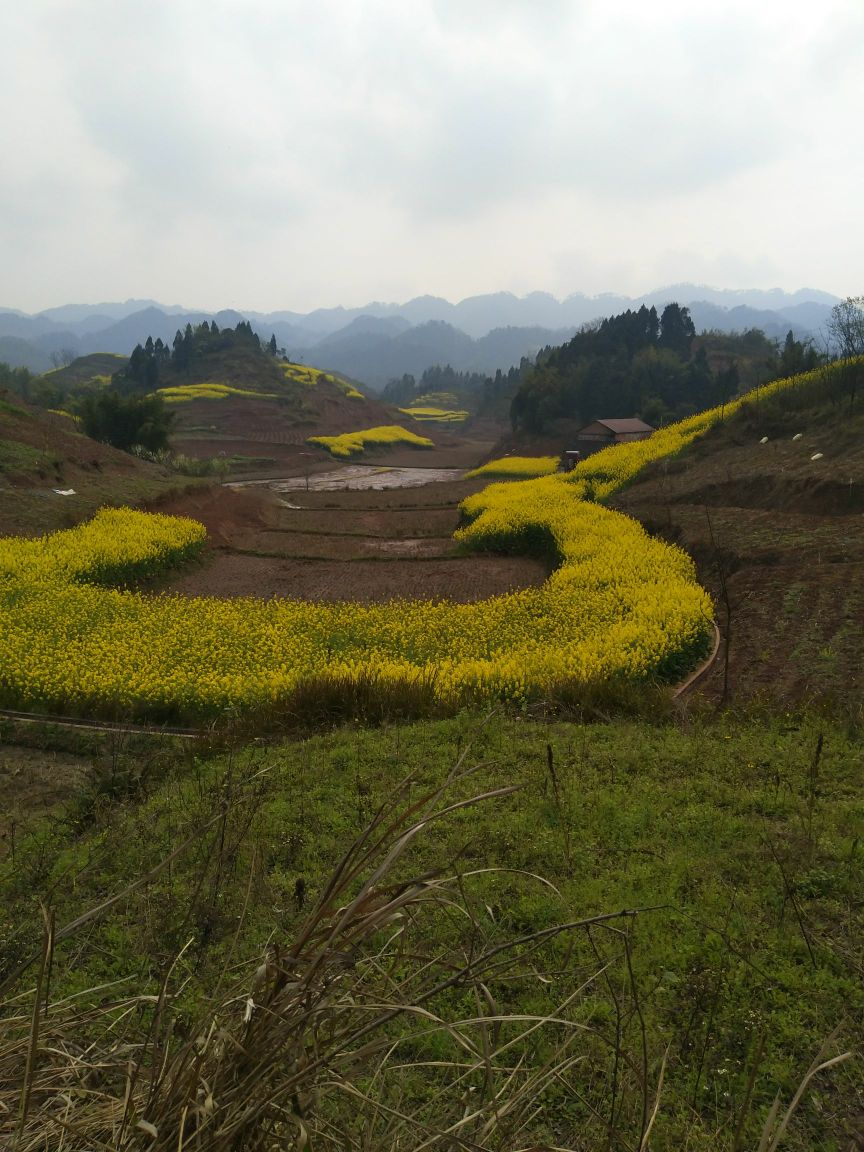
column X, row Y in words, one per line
column 458, row 579
column 364, row 546
column 785, row 533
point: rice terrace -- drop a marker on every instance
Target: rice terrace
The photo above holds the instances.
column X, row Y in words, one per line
column 397, row 835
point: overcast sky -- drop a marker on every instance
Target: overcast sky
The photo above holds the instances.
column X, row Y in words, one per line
column 294, row 154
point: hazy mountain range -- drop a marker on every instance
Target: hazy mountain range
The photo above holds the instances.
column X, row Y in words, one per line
column 374, row 343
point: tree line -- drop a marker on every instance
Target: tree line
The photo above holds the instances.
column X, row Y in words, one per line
column 152, row 360
column 131, row 413
column 641, row 363
column 483, row 395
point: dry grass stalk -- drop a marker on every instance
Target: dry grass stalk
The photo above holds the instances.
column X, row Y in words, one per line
column 353, row 1035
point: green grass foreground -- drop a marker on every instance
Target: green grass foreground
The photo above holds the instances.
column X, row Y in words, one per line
column 660, row 916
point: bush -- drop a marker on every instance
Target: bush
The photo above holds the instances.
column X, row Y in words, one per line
column 126, row 421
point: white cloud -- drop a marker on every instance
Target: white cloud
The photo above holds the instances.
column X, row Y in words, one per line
column 285, row 153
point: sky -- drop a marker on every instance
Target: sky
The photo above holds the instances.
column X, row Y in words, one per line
column 291, row 154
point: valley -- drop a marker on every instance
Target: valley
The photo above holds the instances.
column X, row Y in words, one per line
column 694, row 863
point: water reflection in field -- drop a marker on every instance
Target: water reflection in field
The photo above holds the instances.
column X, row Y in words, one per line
column 355, row 477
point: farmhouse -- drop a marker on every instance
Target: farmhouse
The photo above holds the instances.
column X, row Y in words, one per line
column 600, row 434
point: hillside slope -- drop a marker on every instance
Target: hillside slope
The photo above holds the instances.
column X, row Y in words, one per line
column 41, row 452
column 781, row 524
column 268, row 409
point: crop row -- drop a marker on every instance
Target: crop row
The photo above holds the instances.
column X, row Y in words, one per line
column 311, row 377
column 210, row 390
column 604, row 472
column 618, row 604
column 625, row 605
column 434, row 415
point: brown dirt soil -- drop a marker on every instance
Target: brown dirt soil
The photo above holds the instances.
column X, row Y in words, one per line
column 787, row 534
column 363, row 546
column 229, row 575
column 33, row 782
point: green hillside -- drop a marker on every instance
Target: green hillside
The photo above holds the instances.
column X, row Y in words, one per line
column 92, row 370
column 42, row 451
column 227, row 387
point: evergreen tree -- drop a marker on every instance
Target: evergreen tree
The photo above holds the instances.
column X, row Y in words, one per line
column 180, row 355
column 126, row 421
column 676, row 329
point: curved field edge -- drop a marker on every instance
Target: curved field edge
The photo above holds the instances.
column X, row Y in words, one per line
column 619, row 608
column 628, row 610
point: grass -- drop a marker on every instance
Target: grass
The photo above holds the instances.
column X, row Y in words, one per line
column 732, row 845
column 17, row 457
column 39, row 511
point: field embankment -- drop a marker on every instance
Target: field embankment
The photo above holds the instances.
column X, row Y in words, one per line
column 777, row 529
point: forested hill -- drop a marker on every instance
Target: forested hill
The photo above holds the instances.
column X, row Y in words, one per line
column 641, row 363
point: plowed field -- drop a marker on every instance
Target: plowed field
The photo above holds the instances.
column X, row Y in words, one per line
column 353, row 545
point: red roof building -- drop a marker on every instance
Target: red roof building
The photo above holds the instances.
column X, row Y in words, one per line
column 602, row 433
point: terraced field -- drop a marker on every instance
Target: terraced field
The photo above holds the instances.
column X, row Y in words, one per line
column 368, row 546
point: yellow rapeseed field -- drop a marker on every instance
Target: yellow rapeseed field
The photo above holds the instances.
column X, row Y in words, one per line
column 311, row 377
column 210, row 390
column 516, row 467
column 433, row 415
column 617, row 604
column 620, row 603
column 354, row 443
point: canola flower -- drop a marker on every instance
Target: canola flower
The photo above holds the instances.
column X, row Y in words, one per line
column 185, row 393
column 302, row 374
column 355, row 443
column 618, row 604
column 436, row 415
column 117, row 546
column 311, row 377
column 516, row 467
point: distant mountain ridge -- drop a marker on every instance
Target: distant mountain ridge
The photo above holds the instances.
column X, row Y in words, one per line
column 381, row 340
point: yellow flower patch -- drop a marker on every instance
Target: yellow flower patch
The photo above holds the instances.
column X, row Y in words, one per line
column 618, row 604
column 354, row 443
column 184, row 393
column 516, row 467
